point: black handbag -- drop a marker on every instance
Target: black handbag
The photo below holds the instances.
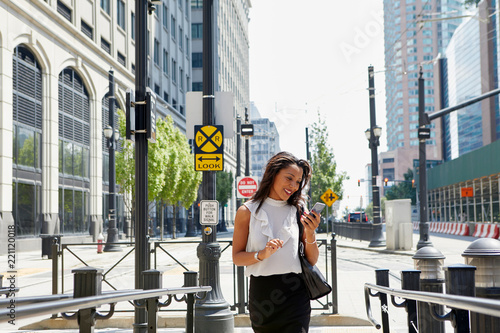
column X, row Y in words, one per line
column 315, row 282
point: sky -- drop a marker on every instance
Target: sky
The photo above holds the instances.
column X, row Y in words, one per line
column 313, row 56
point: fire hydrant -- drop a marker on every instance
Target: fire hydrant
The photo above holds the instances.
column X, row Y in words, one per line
column 100, row 239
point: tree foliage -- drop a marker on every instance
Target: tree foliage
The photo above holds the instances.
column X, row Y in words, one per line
column 403, row 190
column 324, row 168
column 171, row 175
column 224, row 186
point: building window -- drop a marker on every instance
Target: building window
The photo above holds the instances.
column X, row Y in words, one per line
column 181, row 79
column 105, row 45
column 197, row 86
column 196, row 30
column 174, row 71
column 172, row 26
column 156, row 52
column 120, row 13
column 165, row 96
column 122, row 60
column 27, row 140
column 180, row 38
column 165, row 61
column 105, row 6
column 87, row 30
column 64, row 10
column 174, row 103
column 165, row 16
column 74, row 152
column 196, row 4
column 157, row 89
column 197, row 61
column 132, row 26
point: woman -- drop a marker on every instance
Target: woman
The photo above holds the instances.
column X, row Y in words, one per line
column 265, row 239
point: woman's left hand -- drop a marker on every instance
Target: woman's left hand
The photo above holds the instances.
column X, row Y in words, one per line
column 310, row 221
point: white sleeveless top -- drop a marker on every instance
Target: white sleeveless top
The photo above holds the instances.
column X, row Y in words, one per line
column 275, row 219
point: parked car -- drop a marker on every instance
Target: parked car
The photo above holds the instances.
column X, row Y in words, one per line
column 357, row 217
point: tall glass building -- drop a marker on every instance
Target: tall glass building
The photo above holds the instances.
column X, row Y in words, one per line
column 416, row 32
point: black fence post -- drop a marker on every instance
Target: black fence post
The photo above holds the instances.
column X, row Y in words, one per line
column 410, row 280
column 87, row 281
column 333, row 249
column 190, row 280
column 382, row 279
column 152, row 280
column 460, row 280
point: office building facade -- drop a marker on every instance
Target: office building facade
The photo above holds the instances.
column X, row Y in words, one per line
column 264, row 144
column 54, row 104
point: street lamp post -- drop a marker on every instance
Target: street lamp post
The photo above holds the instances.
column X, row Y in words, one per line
column 112, row 135
column 423, row 135
column 373, row 134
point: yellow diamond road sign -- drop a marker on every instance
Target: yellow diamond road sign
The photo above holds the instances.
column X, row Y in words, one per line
column 329, row 197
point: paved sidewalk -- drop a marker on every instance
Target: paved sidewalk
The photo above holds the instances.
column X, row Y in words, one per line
column 34, row 277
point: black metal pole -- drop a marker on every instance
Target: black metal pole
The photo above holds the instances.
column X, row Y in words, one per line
column 247, row 148
column 112, row 239
column 212, row 314
column 382, row 279
column 240, row 270
column 308, row 154
column 141, row 159
column 378, row 239
column 422, row 169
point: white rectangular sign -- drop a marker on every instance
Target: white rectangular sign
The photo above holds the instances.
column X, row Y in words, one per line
column 209, row 212
column 224, row 116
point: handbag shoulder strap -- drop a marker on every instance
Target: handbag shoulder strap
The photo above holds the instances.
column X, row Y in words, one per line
column 301, row 231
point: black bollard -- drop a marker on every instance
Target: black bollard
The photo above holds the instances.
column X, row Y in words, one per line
column 152, row 280
column 410, row 280
column 382, row 279
column 460, row 281
column 190, row 280
column 333, row 249
column 429, row 261
column 87, row 281
column 484, row 253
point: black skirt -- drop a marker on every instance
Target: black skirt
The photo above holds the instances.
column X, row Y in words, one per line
column 279, row 303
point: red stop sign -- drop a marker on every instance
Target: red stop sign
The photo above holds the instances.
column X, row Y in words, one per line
column 247, row 186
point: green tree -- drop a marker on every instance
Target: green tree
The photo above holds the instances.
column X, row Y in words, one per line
column 403, row 190
column 324, row 167
column 172, row 179
column 224, row 189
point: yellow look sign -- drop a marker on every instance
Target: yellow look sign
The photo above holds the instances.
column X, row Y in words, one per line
column 208, row 139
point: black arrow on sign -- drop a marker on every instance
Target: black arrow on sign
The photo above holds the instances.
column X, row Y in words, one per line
column 201, row 159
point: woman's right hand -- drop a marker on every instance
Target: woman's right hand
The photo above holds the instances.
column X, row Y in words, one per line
column 271, row 247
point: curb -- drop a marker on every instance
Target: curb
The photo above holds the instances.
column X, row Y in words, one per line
column 171, row 321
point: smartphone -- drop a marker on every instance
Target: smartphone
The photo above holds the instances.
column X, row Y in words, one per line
column 318, row 207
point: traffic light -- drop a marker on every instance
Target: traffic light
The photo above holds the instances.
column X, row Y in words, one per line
column 385, row 181
column 359, row 182
column 413, row 183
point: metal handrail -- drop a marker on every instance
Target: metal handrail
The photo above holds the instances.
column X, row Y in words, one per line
column 475, row 304
column 94, row 301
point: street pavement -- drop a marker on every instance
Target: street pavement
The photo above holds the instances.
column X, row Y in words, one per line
column 356, row 264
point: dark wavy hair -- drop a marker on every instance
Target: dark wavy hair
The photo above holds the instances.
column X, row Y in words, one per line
column 280, row 161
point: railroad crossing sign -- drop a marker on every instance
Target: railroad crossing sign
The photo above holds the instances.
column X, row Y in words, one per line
column 246, row 186
column 329, row 197
column 209, row 212
column 209, row 148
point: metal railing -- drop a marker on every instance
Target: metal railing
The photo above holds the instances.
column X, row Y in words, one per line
column 425, row 309
column 87, row 297
column 240, row 293
column 354, row 230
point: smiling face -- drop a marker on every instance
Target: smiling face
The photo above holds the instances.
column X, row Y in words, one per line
column 286, row 182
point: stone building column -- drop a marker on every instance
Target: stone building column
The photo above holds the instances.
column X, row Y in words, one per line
column 6, row 153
